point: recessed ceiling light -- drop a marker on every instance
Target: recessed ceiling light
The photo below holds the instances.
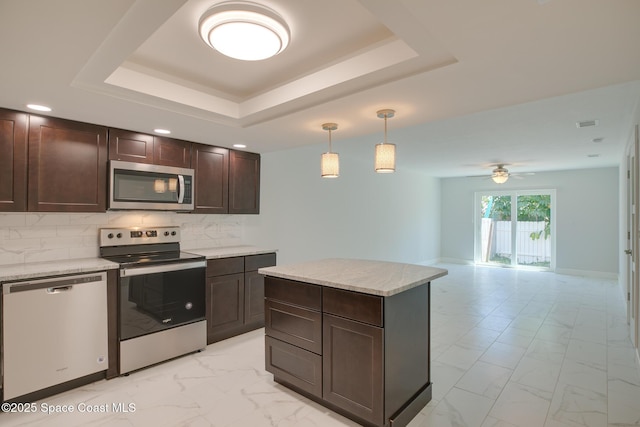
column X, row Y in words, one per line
column 593, row 155
column 38, row 107
column 239, row 145
column 596, row 140
column 162, row 131
column 244, row 30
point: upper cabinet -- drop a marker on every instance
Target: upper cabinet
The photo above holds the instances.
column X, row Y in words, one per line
column 244, row 182
column 171, row 152
column 67, row 166
column 130, row 146
column 141, row 148
column 211, row 165
column 13, row 161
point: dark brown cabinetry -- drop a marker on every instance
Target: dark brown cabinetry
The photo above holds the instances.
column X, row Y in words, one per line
column 130, row 146
column 171, row 152
column 211, row 165
column 142, row 148
column 235, row 295
column 364, row 356
column 13, row 161
column 67, row 166
column 244, row 183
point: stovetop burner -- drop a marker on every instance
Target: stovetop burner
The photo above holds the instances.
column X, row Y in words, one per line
column 143, row 246
column 152, row 258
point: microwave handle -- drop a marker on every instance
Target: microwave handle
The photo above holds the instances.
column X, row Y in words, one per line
column 181, row 188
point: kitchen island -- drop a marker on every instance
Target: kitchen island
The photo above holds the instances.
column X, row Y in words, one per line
column 352, row 335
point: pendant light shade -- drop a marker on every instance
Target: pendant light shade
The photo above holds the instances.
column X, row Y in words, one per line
column 330, row 162
column 385, row 158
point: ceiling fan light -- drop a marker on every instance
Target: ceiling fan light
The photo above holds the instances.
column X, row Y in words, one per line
column 500, row 177
column 244, row 31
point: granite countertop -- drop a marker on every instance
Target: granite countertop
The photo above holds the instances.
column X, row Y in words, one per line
column 10, row 273
column 381, row 278
column 230, row 251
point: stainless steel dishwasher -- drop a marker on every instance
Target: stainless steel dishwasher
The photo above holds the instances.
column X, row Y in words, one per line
column 54, row 330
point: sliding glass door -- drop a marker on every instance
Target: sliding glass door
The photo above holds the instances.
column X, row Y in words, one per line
column 515, row 228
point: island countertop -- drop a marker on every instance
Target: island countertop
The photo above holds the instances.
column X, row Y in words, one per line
column 382, row 278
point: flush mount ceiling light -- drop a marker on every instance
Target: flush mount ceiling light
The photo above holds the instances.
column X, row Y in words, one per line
column 244, row 30
column 500, row 175
column 330, row 162
column 385, row 161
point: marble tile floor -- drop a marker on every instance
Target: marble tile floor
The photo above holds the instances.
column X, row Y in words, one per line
column 509, row 348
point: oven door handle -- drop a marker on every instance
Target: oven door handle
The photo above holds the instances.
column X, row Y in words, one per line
column 164, row 268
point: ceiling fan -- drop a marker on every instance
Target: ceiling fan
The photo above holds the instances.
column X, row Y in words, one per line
column 500, row 174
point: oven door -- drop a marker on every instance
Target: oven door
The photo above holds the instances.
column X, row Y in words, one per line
column 159, row 297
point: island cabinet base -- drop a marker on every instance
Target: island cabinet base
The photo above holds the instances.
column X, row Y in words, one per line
column 361, row 355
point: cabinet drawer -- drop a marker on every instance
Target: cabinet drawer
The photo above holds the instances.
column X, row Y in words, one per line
column 292, row 292
column 254, row 262
column 296, row 325
column 294, row 365
column 222, row 266
column 353, row 305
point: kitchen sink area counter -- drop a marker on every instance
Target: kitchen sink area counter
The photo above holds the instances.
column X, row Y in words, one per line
column 231, row 251
column 352, row 335
column 54, row 268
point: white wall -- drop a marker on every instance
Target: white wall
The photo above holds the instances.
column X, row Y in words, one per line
column 587, row 219
column 361, row 214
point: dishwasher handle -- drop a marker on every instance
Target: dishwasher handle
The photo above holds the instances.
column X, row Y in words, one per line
column 53, row 285
column 59, row 289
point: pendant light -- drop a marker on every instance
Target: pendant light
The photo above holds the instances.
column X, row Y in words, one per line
column 385, row 160
column 330, row 163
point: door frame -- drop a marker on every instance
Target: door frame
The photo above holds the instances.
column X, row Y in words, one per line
column 477, row 217
column 632, row 290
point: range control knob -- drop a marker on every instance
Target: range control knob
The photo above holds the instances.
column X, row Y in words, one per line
column 119, row 235
column 166, row 233
column 110, row 235
column 173, row 233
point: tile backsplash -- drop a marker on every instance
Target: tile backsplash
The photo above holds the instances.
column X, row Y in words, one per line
column 36, row 237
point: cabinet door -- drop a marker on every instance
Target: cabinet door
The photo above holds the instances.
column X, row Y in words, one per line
column 130, row 146
column 67, row 166
column 225, row 306
column 254, row 299
column 244, row 182
column 352, row 371
column 13, row 161
column 211, row 165
column 171, row 152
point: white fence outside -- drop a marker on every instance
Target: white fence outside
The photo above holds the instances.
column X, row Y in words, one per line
column 496, row 242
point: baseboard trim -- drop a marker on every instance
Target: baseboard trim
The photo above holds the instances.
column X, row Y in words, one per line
column 568, row 271
column 588, row 273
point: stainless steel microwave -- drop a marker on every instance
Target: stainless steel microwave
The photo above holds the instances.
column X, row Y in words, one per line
column 150, row 187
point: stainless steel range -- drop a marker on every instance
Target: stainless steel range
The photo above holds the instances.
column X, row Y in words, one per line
column 161, row 295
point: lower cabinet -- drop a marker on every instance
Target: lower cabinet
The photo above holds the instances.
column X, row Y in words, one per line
column 362, row 355
column 235, row 295
column 353, row 369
